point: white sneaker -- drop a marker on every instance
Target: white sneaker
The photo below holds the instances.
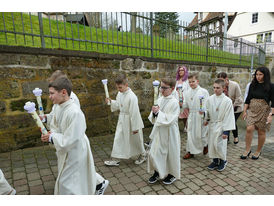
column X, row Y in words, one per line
column 140, row 159
column 112, row 162
column 103, row 188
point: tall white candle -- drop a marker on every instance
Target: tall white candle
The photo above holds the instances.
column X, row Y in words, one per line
column 105, row 82
column 38, row 93
column 156, row 84
column 30, row 108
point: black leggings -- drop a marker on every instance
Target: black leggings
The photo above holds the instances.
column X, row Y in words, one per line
column 235, row 132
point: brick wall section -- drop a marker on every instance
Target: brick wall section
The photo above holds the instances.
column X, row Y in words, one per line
column 22, row 69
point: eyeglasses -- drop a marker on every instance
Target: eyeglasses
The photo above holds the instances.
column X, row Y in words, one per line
column 182, row 70
column 164, row 88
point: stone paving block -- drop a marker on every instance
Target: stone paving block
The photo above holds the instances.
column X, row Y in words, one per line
column 18, row 169
column 220, row 182
column 37, row 190
column 118, row 188
column 229, row 188
column 130, row 187
column 163, row 192
column 145, row 189
column 33, row 176
column 187, row 191
column 22, row 193
column 201, row 192
column 49, row 192
column 47, row 178
column 213, row 192
column 49, row 185
column 45, row 172
column 20, row 182
column 123, row 193
column 19, row 175
column 172, row 189
column 32, row 170
column 220, row 189
column 207, row 188
column 34, row 183
column 135, row 193
column 21, row 188
column 192, row 186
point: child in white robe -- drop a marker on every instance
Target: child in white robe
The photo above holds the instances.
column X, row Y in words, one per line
column 220, row 120
column 164, row 154
column 194, row 100
column 51, row 125
column 5, row 188
column 128, row 140
column 76, row 171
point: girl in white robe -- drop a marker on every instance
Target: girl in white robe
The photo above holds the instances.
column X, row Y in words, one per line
column 220, row 115
column 164, row 154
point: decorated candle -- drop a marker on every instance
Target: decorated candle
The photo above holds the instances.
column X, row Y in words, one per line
column 38, row 93
column 30, row 108
column 156, row 84
column 105, row 82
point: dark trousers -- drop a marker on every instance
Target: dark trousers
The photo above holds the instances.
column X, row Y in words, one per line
column 235, row 132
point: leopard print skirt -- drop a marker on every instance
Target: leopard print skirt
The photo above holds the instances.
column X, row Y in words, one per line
column 257, row 114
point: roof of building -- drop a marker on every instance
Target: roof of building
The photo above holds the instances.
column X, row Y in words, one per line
column 209, row 17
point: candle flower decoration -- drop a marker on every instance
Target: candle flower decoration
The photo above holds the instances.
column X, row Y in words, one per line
column 38, row 93
column 201, row 97
column 156, row 84
column 30, row 108
column 105, row 82
column 180, row 88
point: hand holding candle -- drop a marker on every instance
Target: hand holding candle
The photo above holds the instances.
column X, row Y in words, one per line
column 38, row 93
column 105, row 82
column 30, row 108
column 156, row 84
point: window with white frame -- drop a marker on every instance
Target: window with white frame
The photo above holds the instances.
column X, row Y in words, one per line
column 254, row 18
column 268, row 36
column 260, row 38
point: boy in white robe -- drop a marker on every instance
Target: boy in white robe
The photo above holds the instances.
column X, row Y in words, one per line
column 76, row 171
column 100, row 181
column 194, row 100
column 128, row 140
column 5, row 188
column 164, row 154
column 220, row 120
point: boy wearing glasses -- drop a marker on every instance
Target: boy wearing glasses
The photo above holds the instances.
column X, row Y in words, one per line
column 194, row 100
column 220, row 120
column 128, row 140
column 164, row 154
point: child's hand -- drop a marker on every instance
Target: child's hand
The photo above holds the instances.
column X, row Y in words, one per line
column 205, row 123
column 108, row 100
column 45, row 137
column 224, row 136
column 135, row 132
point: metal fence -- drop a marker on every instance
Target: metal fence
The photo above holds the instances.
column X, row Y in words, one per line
column 138, row 34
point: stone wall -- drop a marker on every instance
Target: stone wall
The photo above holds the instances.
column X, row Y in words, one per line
column 23, row 69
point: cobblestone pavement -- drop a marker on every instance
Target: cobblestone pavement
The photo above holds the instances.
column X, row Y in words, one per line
column 32, row 171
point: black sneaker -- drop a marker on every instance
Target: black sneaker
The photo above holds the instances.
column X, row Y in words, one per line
column 222, row 165
column 214, row 164
column 153, row 178
column 169, row 179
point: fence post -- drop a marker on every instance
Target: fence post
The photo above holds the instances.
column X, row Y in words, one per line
column 241, row 46
column 151, row 33
column 207, row 38
column 41, row 29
